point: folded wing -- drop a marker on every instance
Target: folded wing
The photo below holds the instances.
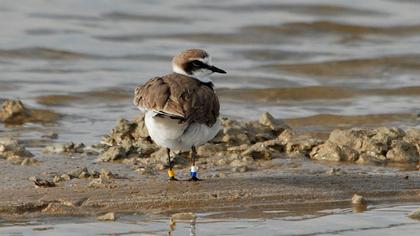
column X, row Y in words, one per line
column 179, row 96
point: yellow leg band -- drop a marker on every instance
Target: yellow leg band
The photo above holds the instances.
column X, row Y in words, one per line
column 171, row 172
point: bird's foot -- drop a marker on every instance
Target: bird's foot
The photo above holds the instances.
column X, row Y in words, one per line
column 194, row 178
column 193, row 174
column 172, row 178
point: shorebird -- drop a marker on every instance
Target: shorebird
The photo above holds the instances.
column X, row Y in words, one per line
column 181, row 109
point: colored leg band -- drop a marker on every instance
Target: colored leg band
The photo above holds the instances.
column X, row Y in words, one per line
column 193, row 171
column 171, row 172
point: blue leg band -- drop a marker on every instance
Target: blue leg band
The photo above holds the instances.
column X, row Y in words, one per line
column 193, row 171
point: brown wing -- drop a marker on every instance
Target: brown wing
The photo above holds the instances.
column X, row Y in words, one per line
column 181, row 96
column 155, row 95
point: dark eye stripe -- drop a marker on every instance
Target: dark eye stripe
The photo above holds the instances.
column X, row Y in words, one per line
column 194, row 65
column 197, row 63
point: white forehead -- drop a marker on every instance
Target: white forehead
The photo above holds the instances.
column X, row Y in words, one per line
column 206, row 60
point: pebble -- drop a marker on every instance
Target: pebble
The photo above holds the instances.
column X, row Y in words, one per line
column 55, row 207
column 238, row 163
column 66, row 177
column 57, row 179
column 240, row 169
column 221, row 162
column 77, row 173
column 65, row 148
column 99, row 183
column 84, row 175
column 13, row 151
column 28, row 161
column 13, row 111
column 335, row 171
column 358, row 199
column 113, row 153
column 110, row 216
column 106, row 174
column 159, row 167
column 275, row 124
column 51, row 135
column 41, row 183
column 415, row 214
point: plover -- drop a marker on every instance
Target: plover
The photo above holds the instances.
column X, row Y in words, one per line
column 181, row 108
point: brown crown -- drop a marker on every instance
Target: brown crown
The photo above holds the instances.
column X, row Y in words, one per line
column 184, row 56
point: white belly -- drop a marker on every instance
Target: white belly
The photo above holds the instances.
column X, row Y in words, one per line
column 170, row 133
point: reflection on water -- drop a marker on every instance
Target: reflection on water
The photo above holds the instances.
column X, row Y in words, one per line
column 375, row 220
column 172, row 227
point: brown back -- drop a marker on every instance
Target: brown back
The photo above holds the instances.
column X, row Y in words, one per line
column 179, row 95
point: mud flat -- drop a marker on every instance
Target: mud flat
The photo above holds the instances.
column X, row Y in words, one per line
column 249, row 164
column 242, row 192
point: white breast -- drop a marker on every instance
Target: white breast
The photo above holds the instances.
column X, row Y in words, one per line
column 171, row 134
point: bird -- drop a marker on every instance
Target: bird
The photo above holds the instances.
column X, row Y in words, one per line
column 181, row 108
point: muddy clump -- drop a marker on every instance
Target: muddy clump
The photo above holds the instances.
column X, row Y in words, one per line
column 13, row 112
column 241, row 145
column 415, row 214
column 237, row 145
column 370, row 145
column 127, row 140
column 107, row 217
column 65, row 148
column 97, row 179
column 84, row 173
column 41, row 183
column 12, row 150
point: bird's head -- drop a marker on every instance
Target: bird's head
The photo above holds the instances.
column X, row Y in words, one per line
column 195, row 63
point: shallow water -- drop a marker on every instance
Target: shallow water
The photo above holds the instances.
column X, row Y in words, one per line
column 330, row 220
column 296, row 59
column 320, row 64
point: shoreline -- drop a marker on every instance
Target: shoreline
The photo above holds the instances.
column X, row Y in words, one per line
column 249, row 163
column 163, row 197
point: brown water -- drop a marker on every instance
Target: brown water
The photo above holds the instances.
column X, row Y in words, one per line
column 330, row 220
column 296, row 59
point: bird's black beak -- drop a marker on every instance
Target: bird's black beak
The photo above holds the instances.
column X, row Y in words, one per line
column 217, row 70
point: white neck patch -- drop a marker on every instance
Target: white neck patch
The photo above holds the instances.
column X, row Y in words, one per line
column 178, row 70
column 203, row 75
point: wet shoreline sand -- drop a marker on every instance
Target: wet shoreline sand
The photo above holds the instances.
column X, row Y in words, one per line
column 248, row 164
column 160, row 196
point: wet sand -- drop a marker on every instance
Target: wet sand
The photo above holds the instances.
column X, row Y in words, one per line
column 264, row 188
column 248, row 164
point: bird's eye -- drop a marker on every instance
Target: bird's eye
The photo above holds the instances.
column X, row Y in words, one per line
column 196, row 63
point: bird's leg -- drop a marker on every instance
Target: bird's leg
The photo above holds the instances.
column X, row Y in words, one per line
column 171, row 172
column 194, row 169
